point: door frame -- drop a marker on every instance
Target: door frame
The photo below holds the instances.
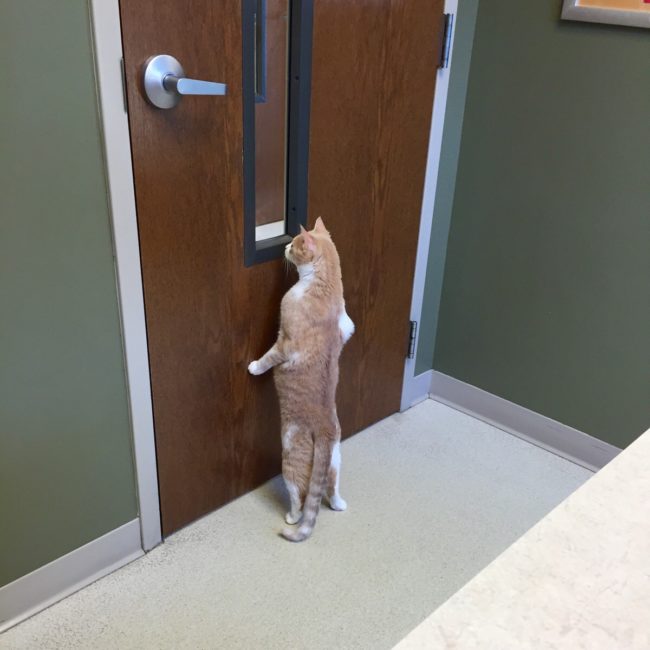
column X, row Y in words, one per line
column 107, row 48
column 106, row 30
column 416, row 388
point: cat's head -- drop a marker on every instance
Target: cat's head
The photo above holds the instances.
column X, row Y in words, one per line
column 310, row 245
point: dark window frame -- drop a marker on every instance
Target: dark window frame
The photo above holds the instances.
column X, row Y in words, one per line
column 260, row 51
column 299, row 91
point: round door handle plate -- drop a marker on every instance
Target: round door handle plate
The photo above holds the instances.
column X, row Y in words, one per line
column 155, row 70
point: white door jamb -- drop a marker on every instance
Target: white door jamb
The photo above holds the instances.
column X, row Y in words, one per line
column 415, row 388
column 117, row 149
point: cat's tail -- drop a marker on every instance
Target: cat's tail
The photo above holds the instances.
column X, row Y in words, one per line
column 317, row 483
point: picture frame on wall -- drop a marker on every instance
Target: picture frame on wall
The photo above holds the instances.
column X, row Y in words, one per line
column 633, row 13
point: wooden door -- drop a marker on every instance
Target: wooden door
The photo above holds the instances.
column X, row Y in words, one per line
column 374, row 66
column 373, row 79
column 207, row 315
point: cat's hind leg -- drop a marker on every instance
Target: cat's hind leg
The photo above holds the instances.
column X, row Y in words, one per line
column 295, row 513
column 333, row 496
column 293, row 478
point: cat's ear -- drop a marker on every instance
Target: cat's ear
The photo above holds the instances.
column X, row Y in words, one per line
column 319, row 226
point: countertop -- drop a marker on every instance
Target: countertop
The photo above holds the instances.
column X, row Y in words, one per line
column 580, row 578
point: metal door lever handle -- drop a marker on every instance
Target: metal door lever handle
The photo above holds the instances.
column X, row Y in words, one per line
column 185, row 86
column 165, row 82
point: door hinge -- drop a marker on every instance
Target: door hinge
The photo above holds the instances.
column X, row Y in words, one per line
column 123, row 75
column 446, row 41
column 413, row 333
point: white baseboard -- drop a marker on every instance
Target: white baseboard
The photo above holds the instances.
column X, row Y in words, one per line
column 416, row 389
column 558, row 438
column 43, row 587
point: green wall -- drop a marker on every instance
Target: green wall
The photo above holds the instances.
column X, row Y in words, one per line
column 66, row 471
column 459, row 73
column 545, row 299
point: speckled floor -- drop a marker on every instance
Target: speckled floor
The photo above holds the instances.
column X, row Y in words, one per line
column 434, row 495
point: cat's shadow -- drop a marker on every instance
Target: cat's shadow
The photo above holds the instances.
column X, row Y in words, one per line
column 274, row 495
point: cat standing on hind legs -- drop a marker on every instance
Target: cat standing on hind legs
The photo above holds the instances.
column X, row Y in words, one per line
column 314, row 326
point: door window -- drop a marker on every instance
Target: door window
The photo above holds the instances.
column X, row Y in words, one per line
column 277, row 70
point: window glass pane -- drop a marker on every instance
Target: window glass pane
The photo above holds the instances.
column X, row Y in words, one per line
column 271, row 74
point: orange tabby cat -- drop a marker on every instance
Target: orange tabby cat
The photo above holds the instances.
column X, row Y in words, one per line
column 313, row 328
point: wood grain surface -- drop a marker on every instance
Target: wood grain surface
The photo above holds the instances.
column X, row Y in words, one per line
column 217, row 428
column 373, row 79
column 207, row 315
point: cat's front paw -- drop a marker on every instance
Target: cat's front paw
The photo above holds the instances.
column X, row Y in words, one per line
column 346, row 326
column 337, row 503
column 255, row 368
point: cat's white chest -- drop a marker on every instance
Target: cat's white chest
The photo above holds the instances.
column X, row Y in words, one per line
column 298, row 290
column 306, row 273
